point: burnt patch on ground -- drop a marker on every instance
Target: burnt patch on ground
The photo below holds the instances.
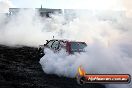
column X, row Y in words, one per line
column 20, row 68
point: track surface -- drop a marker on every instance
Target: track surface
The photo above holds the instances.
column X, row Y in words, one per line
column 20, row 68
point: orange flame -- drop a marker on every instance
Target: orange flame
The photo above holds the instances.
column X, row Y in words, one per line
column 81, row 71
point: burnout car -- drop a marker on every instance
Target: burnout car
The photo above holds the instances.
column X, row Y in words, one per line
column 56, row 45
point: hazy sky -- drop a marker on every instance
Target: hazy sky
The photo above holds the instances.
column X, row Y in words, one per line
column 69, row 4
column 73, row 4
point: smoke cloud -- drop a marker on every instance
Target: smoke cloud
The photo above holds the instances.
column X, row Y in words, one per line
column 27, row 28
column 128, row 7
column 5, row 5
column 109, row 46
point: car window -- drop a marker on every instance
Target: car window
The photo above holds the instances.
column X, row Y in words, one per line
column 77, row 46
column 50, row 44
column 55, row 45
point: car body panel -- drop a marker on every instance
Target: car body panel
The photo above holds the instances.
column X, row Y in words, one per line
column 70, row 46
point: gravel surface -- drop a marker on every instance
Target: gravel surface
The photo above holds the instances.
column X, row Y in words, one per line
column 20, row 68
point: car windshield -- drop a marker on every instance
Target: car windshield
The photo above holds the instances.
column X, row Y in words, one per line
column 78, row 46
